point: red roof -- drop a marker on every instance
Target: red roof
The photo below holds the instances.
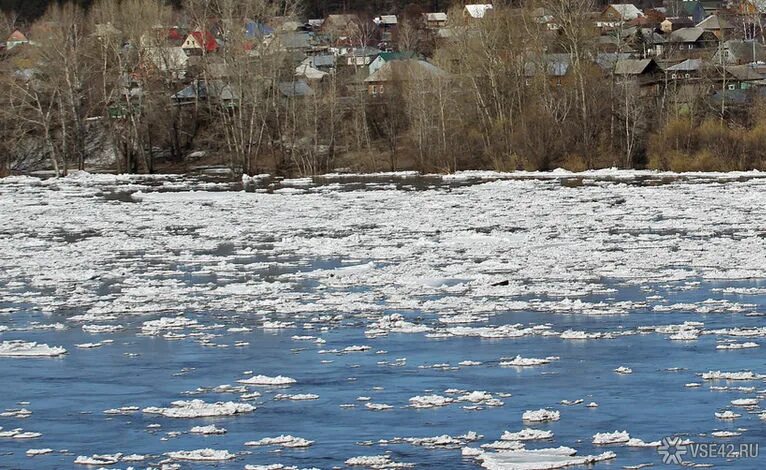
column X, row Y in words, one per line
column 175, row 34
column 206, row 40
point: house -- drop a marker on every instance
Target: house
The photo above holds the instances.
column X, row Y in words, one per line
column 200, row 42
column 315, row 24
column 692, row 38
column 323, row 62
column 674, row 23
column 402, row 71
column 686, row 70
column 644, row 71
column 743, row 77
column 295, row 41
column 477, row 11
column 737, row 51
column 387, row 25
column 717, row 25
column 361, row 56
column 617, row 14
column 199, row 90
column 435, row 20
column 385, row 57
column 307, row 71
column 17, row 38
column 171, row 60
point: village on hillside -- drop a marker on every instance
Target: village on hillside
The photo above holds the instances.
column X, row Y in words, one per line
column 138, row 86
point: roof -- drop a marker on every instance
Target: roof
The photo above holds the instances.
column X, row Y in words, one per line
column 436, row 16
column 632, row 66
column 627, row 11
column 322, row 60
column 386, row 20
column 689, row 65
column 206, row 40
column 714, row 22
column 200, row 89
column 744, row 73
column 17, row 36
column 256, row 29
column 295, row 88
column 366, row 51
column 686, row 34
column 311, row 73
column 295, row 40
column 409, row 69
column 388, row 56
column 478, row 10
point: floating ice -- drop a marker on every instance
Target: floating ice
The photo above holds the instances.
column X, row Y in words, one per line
column 98, row 459
column 296, row 397
column 718, row 375
column 34, row 452
column 538, row 459
column 19, row 348
column 746, row 345
column 728, row 414
column 527, row 434
column 617, row 437
column 264, row 380
column 376, row 462
column 202, row 455
column 624, row 370
column 282, row 441
column 519, row 361
column 540, row 416
column 200, row 409
column 210, row 429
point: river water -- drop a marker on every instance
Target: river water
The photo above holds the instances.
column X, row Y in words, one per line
column 374, row 290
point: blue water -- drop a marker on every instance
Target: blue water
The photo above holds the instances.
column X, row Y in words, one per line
column 68, row 395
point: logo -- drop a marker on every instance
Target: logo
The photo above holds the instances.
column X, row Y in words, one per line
column 672, row 450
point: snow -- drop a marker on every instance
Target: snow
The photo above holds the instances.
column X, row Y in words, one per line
column 286, row 441
column 539, row 459
column 98, row 459
column 266, row 381
column 746, row 345
column 541, row 415
column 34, row 452
column 448, row 266
column 718, row 375
column 210, row 429
column 624, row 370
column 376, row 462
column 18, row 348
column 617, row 437
column 524, row 362
column 728, row 414
column 527, row 434
column 200, row 409
column 203, row 455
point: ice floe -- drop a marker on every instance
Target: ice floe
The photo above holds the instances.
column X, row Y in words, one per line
column 200, row 409
column 202, row 455
column 18, row 348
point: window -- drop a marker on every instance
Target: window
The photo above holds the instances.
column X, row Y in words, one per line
column 732, row 87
